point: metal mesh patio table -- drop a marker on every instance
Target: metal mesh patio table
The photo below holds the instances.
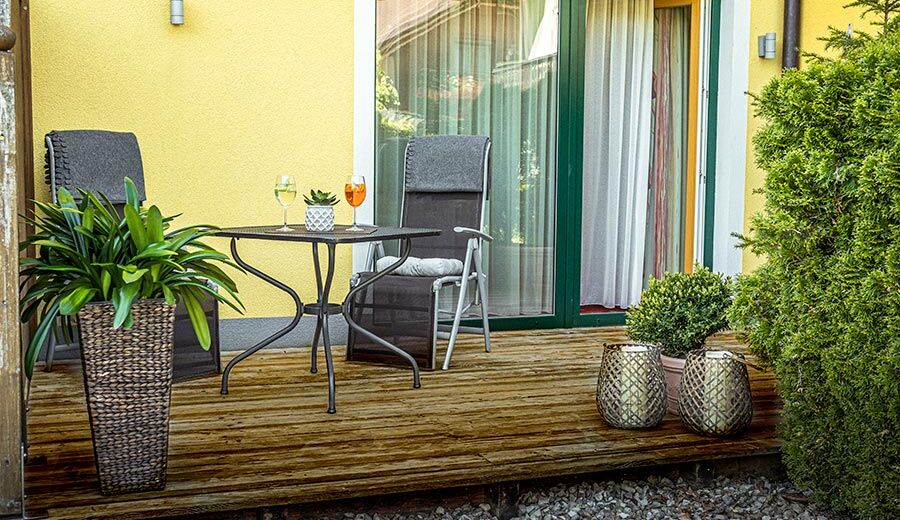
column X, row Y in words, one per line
column 323, row 307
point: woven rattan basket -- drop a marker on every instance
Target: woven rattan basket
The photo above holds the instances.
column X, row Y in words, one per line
column 631, row 389
column 715, row 393
column 128, row 383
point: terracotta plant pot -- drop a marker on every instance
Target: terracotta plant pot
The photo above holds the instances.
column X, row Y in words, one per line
column 673, row 368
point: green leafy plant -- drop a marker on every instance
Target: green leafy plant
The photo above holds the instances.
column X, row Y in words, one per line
column 320, row 198
column 87, row 253
column 386, row 95
column 824, row 309
column 680, row 310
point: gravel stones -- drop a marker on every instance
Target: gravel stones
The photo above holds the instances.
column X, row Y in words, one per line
column 651, row 498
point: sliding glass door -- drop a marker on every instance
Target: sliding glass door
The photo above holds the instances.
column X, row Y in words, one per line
column 592, row 109
column 479, row 68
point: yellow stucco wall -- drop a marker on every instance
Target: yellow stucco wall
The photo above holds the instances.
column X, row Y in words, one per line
column 242, row 92
column 766, row 16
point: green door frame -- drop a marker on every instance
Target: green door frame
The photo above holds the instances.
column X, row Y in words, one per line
column 712, row 128
column 570, row 149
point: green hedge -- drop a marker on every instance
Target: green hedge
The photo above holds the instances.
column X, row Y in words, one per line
column 824, row 310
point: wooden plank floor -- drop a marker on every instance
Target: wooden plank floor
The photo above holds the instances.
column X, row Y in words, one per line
column 524, row 411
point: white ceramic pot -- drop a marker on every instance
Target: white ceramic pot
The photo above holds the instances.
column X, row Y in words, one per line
column 319, row 218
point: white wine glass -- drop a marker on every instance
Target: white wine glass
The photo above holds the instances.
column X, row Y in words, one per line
column 285, row 193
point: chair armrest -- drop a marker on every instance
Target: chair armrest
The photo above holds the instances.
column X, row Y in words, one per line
column 474, row 233
column 374, row 251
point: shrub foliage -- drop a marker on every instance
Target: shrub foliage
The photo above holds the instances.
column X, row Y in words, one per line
column 824, row 310
column 680, row 310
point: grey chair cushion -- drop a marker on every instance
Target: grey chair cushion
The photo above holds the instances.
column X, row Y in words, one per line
column 97, row 161
column 430, row 267
column 446, row 164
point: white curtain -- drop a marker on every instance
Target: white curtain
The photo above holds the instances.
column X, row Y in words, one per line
column 617, row 140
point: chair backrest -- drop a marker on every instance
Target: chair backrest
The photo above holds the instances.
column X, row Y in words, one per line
column 93, row 160
column 446, row 184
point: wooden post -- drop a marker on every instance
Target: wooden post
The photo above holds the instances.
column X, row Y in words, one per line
column 11, row 411
column 21, row 25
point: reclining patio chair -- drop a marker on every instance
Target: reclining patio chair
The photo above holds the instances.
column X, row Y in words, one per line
column 446, row 185
column 98, row 161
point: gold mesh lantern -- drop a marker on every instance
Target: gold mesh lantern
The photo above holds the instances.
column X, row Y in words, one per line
column 715, row 393
column 631, row 389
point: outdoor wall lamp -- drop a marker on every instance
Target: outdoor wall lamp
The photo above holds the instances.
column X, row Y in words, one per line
column 177, row 12
column 767, row 46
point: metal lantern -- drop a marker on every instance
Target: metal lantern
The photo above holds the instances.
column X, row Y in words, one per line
column 715, row 393
column 631, row 389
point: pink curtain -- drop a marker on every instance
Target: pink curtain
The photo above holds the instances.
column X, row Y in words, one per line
column 669, row 129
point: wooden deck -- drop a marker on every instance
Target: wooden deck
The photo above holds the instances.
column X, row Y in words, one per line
column 524, row 411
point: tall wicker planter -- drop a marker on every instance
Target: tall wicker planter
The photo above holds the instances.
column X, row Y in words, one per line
column 128, row 384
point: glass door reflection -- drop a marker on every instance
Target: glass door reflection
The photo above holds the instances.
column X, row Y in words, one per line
column 479, row 68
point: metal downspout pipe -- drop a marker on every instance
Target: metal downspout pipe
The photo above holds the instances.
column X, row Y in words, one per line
column 791, row 54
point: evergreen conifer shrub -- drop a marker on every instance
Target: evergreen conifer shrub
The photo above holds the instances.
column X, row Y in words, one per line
column 824, row 309
column 680, row 310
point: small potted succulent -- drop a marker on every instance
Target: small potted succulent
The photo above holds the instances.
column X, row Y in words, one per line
column 320, row 210
column 678, row 312
column 120, row 278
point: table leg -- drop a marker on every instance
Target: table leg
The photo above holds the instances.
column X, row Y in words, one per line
column 322, row 319
column 313, row 368
column 406, row 246
column 264, row 343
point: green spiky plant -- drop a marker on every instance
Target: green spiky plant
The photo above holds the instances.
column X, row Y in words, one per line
column 87, row 253
column 320, row 198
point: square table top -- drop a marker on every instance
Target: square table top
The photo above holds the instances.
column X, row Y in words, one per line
column 339, row 235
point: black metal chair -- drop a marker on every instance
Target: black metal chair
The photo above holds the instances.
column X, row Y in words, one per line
column 446, row 186
column 98, row 161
